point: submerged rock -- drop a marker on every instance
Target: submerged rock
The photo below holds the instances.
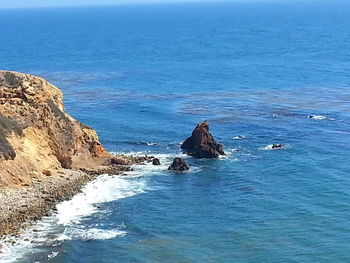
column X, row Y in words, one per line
column 178, row 165
column 156, row 161
column 202, row 144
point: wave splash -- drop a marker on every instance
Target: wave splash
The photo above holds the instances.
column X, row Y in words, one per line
column 66, row 222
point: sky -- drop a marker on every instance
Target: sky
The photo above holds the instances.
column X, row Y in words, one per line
column 52, row 3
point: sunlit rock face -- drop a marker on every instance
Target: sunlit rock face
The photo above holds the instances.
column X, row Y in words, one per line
column 36, row 136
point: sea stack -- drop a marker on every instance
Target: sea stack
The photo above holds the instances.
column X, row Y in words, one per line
column 202, row 144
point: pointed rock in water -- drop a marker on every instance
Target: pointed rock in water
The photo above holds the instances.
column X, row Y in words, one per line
column 202, row 144
column 156, row 161
column 178, row 165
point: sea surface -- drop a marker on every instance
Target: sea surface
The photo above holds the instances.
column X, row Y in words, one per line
column 143, row 76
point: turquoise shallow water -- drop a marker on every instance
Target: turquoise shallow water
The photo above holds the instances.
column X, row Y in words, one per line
column 144, row 75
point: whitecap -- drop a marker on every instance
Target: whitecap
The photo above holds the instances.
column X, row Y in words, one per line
column 272, row 147
column 52, row 255
column 317, row 117
column 94, row 234
column 148, row 143
column 239, row 137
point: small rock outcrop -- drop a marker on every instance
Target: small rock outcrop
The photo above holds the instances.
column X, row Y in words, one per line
column 156, row 161
column 178, row 165
column 277, row 146
column 202, row 144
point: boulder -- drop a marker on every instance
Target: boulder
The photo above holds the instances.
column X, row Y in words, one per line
column 202, row 144
column 178, row 165
column 156, row 161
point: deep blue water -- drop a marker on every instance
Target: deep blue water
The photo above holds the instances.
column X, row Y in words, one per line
column 144, row 75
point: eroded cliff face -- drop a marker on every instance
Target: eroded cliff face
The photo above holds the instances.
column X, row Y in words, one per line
column 37, row 137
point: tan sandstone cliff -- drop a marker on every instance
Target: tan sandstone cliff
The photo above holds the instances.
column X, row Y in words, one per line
column 37, row 137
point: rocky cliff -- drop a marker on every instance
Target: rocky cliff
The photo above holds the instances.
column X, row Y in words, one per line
column 37, row 138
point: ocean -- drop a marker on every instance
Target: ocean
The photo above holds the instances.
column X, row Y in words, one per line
column 144, row 76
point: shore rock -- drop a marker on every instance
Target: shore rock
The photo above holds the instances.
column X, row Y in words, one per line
column 178, row 165
column 156, row 161
column 36, row 135
column 202, row 144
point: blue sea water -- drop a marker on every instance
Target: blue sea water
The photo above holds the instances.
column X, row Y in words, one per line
column 144, row 75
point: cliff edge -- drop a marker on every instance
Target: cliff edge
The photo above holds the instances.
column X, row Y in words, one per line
column 37, row 138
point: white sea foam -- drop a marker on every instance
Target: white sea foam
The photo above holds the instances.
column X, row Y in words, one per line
column 271, row 147
column 317, row 117
column 52, row 255
column 93, row 233
column 148, row 143
column 131, row 153
column 267, row 147
column 239, row 137
column 149, row 153
column 100, row 234
column 64, row 224
column 228, row 154
column 104, row 189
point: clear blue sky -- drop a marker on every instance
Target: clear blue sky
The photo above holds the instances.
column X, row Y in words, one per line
column 51, row 3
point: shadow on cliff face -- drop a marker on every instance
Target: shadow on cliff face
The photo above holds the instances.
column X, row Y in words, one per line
column 7, row 127
column 10, row 80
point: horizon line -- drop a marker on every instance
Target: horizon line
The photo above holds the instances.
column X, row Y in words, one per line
column 150, row 2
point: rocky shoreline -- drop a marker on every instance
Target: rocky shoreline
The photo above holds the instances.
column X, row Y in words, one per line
column 23, row 205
